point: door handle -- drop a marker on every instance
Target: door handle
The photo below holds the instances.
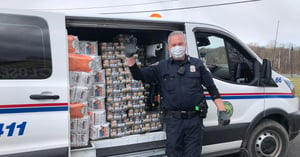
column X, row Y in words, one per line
column 40, row 96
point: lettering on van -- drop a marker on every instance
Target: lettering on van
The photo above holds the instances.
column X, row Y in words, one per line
column 278, row 79
column 23, row 73
column 12, row 129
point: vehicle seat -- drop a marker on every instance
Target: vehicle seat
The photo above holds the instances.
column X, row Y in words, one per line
column 242, row 73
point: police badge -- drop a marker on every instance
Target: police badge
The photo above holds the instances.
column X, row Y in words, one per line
column 192, row 68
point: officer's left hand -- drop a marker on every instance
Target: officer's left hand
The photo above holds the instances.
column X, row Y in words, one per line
column 223, row 118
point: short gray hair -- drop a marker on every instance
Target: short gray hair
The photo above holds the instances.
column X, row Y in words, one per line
column 176, row 33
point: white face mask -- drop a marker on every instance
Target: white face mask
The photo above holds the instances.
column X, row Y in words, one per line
column 177, row 52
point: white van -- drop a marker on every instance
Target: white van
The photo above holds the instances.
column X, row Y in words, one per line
column 35, row 100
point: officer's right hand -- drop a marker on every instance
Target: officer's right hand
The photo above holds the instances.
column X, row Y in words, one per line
column 223, row 118
column 130, row 46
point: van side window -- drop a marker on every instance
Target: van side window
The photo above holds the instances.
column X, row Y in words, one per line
column 225, row 59
column 24, row 47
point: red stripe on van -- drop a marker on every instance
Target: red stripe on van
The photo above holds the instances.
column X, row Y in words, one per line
column 257, row 94
column 34, row 105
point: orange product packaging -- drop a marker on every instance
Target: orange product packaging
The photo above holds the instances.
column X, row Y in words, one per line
column 79, row 62
column 73, row 44
column 78, row 110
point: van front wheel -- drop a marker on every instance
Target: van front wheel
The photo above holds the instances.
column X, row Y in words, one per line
column 268, row 139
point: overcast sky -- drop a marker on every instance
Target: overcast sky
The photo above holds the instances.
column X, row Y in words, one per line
column 251, row 21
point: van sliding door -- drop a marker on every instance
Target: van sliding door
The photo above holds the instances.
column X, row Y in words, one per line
column 33, row 84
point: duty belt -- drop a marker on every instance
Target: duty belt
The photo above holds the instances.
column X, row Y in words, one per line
column 181, row 114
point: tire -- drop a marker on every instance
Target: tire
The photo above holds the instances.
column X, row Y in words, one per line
column 268, row 139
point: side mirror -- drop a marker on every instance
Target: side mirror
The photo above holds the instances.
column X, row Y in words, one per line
column 263, row 74
column 266, row 73
column 256, row 74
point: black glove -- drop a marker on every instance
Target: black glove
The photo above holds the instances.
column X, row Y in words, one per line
column 223, row 118
column 130, row 46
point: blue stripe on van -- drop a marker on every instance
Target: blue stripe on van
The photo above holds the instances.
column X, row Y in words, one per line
column 34, row 109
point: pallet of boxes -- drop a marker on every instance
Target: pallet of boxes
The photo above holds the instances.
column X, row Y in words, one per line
column 105, row 101
column 87, row 92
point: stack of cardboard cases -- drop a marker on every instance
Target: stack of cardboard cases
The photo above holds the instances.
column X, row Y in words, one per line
column 105, row 101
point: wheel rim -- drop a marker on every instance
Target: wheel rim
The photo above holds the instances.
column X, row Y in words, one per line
column 268, row 144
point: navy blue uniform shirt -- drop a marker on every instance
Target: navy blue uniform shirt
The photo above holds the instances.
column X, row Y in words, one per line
column 179, row 92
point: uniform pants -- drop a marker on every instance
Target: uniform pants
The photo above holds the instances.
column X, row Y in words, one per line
column 184, row 137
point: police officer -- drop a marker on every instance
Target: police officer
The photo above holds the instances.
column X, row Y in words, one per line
column 181, row 78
